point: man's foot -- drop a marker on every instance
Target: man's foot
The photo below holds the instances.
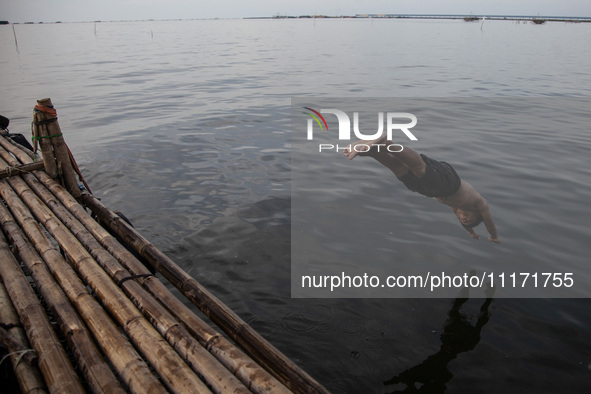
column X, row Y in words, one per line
column 364, row 147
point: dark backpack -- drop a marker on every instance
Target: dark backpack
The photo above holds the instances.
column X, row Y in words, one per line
column 4, row 122
column 18, row 138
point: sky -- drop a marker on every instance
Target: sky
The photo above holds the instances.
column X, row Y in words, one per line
column 115, row 10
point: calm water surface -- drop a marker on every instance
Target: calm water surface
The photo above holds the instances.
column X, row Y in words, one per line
column 184, row 127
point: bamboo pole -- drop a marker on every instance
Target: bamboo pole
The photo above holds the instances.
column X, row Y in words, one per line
column 40, row 138
column 27, row 373
column 251, row 374
column 175, row 373
column 97, row 373
column 19, row 169
column 8, row 342
column 219, row 378
column 24, row 156
column 53, row 361
column 50, row 132
column 32, row 157
column 124, row 358
column 253, row 343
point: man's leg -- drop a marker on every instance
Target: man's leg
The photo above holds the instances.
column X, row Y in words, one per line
column 397, row 162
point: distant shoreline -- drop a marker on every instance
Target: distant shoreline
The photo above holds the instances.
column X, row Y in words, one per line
column 468, row 18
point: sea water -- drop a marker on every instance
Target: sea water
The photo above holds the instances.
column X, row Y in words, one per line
column 184, row 126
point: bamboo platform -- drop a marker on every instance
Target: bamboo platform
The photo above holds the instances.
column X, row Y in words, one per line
column 79, row 312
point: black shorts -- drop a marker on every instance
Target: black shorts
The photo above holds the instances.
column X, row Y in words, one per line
column 440, row 179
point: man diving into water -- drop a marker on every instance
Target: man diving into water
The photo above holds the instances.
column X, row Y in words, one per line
column 430, row 178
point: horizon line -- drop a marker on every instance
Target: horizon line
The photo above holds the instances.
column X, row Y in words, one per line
column 324, row 16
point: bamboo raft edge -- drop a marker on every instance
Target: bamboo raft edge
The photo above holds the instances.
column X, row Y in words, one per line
column 68, row 261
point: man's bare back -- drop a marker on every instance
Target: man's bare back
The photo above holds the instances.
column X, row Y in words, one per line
column 411, row 168
column 466, row 198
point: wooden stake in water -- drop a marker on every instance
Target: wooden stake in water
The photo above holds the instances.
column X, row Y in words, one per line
column 15, row 40
column 55, row 152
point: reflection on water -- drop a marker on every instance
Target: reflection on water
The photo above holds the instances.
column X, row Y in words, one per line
column 459, row 336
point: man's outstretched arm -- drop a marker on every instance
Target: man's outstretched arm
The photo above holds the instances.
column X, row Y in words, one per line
column 489, row 223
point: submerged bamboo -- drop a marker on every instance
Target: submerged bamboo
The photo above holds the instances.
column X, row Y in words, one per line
column 27, row 373
column 53, row 361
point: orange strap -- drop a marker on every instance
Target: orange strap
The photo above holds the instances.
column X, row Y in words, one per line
column 48, row 110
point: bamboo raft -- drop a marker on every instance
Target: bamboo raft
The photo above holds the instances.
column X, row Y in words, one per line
column 79, row 312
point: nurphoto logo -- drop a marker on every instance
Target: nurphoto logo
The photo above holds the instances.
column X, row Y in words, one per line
column 391, row 123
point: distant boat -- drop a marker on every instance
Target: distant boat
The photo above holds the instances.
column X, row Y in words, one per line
column 3, row 22
column 538, row 21
column 470, row 18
